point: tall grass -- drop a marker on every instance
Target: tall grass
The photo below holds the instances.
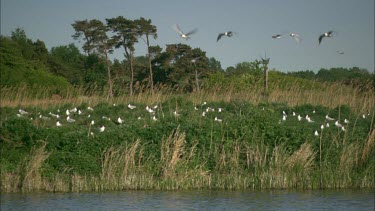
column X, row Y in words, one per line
column 241, row 165
column 325, row 94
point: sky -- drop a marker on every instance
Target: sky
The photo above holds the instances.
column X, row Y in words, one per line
column 253, row 21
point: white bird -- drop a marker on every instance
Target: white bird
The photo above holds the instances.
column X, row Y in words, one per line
column 299, row 117
column 154, row 118
column 67, row 112
column 183, row 35
column 219, row 110
column 338, row 124
column 149, row 110
column 106, row 118
column 79, row 112
column 218, row 120
column 155, row 106
column 296, row 37
column 73, row 110
column 284, row 118
column 294, row 114
column 322, row 127
column 227, row 33
column 329, row 118
column 119, row 120
column 90, row 109
column 343, row 128
column 43, row 117
column 204, row 113
column 101, row 129
column 176, row 114
column 58, row 124
column 23, row 112
column 54, row 115
column 92, row 122
column 363, row 116
column 313, row 111
column 309, row 120
column 327, row 34
column 19, row 115
column 327, row 125
column 316, row 133
column 68, row 119
column 284, row 113
column 195, row 108
column 131, row 106
column 195, row 59
column 346, row 121
column 204, row 103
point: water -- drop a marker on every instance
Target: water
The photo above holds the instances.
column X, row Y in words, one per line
column 193, row 200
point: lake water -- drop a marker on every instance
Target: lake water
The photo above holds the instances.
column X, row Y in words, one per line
column 193, row 200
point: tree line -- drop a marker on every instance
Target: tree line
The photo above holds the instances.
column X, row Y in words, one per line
column 178, row 65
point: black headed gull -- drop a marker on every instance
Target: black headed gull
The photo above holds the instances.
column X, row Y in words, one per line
column 228, row 34
column 183, row 35
column 327, row 34
column 296, row 37
column 277, row 36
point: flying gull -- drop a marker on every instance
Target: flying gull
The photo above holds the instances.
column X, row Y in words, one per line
column 227, row 33
column 183, row 35
column 327, row 34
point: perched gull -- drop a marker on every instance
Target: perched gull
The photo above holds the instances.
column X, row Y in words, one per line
column 327, row 125
column 154, row 118
column 338, row 124
column 296, row 37
column 176, row 114
column 119, row 120
column 228, row 34
column 68, row 119
column 327, row 34
column 218, row 120
column 316, row 133
column 90, row 109
column 58, row 124
column 131, row 106
column 284, row 118
column 92, row 122
column 329, row 118
column 67, row 112
column 102, row 129
column 23, row 112
column 346, row 121
column 73, row 110
column 299, row 118
column 183, row 35
column 322, row 127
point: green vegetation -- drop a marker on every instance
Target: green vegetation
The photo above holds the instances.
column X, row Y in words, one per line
column 251, row 148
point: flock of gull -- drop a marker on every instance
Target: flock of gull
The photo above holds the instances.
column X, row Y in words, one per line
column 70, row 116
column 295, row 36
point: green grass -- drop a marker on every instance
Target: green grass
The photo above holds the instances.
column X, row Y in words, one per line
column 251, row 148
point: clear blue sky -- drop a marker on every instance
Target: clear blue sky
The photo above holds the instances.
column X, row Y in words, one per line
column 255, row 21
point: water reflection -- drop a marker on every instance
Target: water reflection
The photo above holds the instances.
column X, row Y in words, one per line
column 193, row 200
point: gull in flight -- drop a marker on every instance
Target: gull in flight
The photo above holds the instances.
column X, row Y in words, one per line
column 340, row 52
column 296, row 37
column 183, row 35
column 327, row 34
column 277, row 36
column 228, row 34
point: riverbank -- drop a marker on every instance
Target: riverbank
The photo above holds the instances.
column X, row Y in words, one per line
column 184, row 144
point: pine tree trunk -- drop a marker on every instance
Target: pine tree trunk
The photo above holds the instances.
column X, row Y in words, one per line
column 149, row 63
column 110, row 94
column 132, row 73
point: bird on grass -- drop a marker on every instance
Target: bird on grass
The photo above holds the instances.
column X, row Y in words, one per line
column 227, row 33
column 58, row 124
column 182, row 34
column 101, row 129
column 326, row 34
column 131, row 106
column 68, row 119
column 23, row 112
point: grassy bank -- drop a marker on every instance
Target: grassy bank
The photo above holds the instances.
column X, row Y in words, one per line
column 251, row 148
